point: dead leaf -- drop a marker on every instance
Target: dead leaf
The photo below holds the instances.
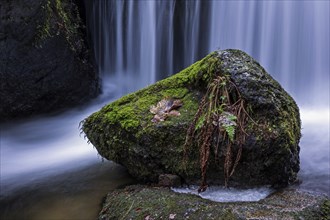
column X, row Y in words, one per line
column 174, row 113
column 164, row 108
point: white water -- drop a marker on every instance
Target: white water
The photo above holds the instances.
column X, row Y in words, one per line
column 149, row 40
column 43, row 146
column 48, row 145
column 48, row 171
column 221, row 194
column 138, row 42
column 289, row 38
column 315, row 150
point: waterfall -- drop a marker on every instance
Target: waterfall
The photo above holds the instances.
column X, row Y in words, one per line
column 141, row 42
column 289, row 38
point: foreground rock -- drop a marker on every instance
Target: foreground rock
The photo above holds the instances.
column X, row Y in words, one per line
column 126, row 132
column 138, row 202
column 45, row 63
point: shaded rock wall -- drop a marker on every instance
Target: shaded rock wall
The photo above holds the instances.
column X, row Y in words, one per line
column 45, row 63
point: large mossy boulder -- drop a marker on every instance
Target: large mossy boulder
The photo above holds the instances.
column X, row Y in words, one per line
column 45, row 63
column 124, row 131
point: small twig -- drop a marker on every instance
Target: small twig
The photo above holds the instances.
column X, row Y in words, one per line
column 130, row 208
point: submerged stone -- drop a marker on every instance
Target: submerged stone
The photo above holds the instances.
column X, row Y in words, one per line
column 124, row 132
column 169, row 180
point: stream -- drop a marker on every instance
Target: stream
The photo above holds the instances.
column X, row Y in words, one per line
column 49, row 171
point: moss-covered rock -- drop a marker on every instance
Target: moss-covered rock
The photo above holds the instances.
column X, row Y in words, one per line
column 45, row 62
column 123, row 131
column 138, row 202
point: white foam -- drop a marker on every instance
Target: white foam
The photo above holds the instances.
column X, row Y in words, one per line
column 315, row 116
column 221, row 194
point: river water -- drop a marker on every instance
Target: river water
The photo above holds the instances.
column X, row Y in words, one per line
column 48, row 171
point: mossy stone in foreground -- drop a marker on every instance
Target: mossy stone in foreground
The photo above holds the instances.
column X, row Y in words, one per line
column 123, row 131
column 139, row 202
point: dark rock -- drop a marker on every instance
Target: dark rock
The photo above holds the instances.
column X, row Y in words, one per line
column 45, row 64
column 169, row 180
column 137, row 202
column 123, row 131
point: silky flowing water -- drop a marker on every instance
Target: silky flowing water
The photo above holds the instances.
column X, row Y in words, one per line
column 48, row 171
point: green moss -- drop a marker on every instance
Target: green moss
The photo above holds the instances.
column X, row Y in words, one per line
column 70, row 23
column 125, row 116
column 59, row 17
column 62, row 13
column 44, row 29
column 132, row 111
column 197, row 74
column 325, row 210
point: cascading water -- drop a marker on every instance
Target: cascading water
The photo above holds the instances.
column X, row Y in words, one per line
column 289, row 38
column 139, row 42
column 149, row 40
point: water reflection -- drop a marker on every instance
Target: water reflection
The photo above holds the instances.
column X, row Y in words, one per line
column 42, row 145
column 71, row 195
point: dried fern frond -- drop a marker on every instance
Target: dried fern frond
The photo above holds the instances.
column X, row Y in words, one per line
column 221, row 113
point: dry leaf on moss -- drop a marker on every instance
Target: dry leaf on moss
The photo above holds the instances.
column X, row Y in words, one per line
column 164, row 108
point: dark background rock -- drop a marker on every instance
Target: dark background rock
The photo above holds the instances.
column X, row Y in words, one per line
column 45, row 63
column 169, row 180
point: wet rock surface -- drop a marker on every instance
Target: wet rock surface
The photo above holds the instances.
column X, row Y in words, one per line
column 140, row 202
column 169, row 180
column 124, row 131
column 45, row 63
